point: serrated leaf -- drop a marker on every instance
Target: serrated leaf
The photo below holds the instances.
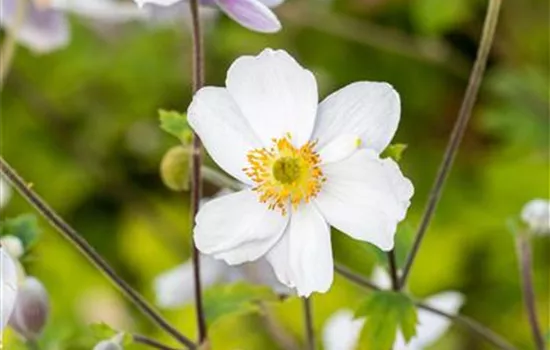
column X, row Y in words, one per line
column 386, row 312
column 25, row 227
column 238, row 298
column 175, row 123
column 394, row 151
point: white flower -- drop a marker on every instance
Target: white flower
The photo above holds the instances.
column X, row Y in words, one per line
column 174, row 288
column 5, row 192
column 32, row 308
column 8, row 287
column 114, row 343
column 536, row 214
column 306, row 168
column 13, row 246
column 341, row 331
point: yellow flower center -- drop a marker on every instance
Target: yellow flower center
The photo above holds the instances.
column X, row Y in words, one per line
column 285, row 174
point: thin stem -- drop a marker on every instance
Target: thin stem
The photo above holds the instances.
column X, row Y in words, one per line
column 466, row 322
column 89, row 252
column 141, row 339
column 526, row 274
column 196, row 161
column 9, row 47
column 308, row 319
column 393, row 270
column 461, row 123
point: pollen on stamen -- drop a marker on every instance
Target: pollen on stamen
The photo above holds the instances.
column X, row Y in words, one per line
column 285, row 175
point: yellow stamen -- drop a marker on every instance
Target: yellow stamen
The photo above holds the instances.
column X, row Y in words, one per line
column 285, row 174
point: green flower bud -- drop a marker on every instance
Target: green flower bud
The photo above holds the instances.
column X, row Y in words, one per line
column 175, row 168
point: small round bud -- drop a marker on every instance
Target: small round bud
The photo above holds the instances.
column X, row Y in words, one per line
column 115, row 343
column 31, row 309
column 13, row 246
column 8, row 287
column 536, row 214
column 174, row 168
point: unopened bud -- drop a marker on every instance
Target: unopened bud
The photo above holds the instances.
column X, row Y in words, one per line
column 174, row 168
column 536, row 214
column 13, row 246
column 114, row 343
column 31, row 309
column 8, row 287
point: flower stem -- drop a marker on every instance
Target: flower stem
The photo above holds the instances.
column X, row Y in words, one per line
column 308, row 318
column 393, row 270
column 526, row 274
column 196, row 160
column 151, row 342
column 9, row 46
column 89, row 252
column 466, row 322
column 459, row 129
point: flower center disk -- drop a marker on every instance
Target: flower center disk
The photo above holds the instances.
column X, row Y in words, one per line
column 284, row 174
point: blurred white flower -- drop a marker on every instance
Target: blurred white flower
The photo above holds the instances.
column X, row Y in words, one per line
column 8, row 287
column 536, row 214
column 115, row 343
column 175, row 288
column 341, row 331
column 43, row 27
column 5, row 191
column 32, row 308
column 305, row 167
column 13, row 246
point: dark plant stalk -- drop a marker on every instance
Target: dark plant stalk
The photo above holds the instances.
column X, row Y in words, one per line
column 393, row 270
column 466, row 322
column 459, row 129
column 151, row 342
column 89, row 252
column 526, row 274
column 196, row 161
column 308, row 319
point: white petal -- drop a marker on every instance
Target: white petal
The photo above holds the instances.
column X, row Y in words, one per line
column 42, row 31
column 381, row 278
column 175, row 288
column 107, row 10
column 340, row 148
column 5, row 193
column 536, row 214
column 8, row 287
column 226, row 134
column 370, row 110
column 341, row 331
column 431, row 327
column 279, row 258
column 13, row 246
column 275, row 94
column 251, row 14
column 272, row 3
column 365, row 197
column 310, row 251
column 237, row 228
column 156, row 2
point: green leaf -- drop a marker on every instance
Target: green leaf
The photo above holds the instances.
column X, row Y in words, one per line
column 25, row 227
column 175, row 123
column 237, row 298
column 394, row 151
column 102, row 331
column 437, row 16
column 386, row 312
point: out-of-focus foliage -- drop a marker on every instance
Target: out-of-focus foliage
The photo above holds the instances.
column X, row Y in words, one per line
column 81, row 124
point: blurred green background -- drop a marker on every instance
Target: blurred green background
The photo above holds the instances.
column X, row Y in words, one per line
column 81, row 124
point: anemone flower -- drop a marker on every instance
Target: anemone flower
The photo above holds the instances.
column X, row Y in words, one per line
column 42, row 26
column 252, row 14
column 341, row 330
column 304, row 167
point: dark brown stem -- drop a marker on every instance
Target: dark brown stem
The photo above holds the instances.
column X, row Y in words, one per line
column 393, row 270
column 466, row 322
column 89, row 252
column 151, row 342
column 308, row 319
column 196, row 161
column 526, row 274
column 459, row 129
